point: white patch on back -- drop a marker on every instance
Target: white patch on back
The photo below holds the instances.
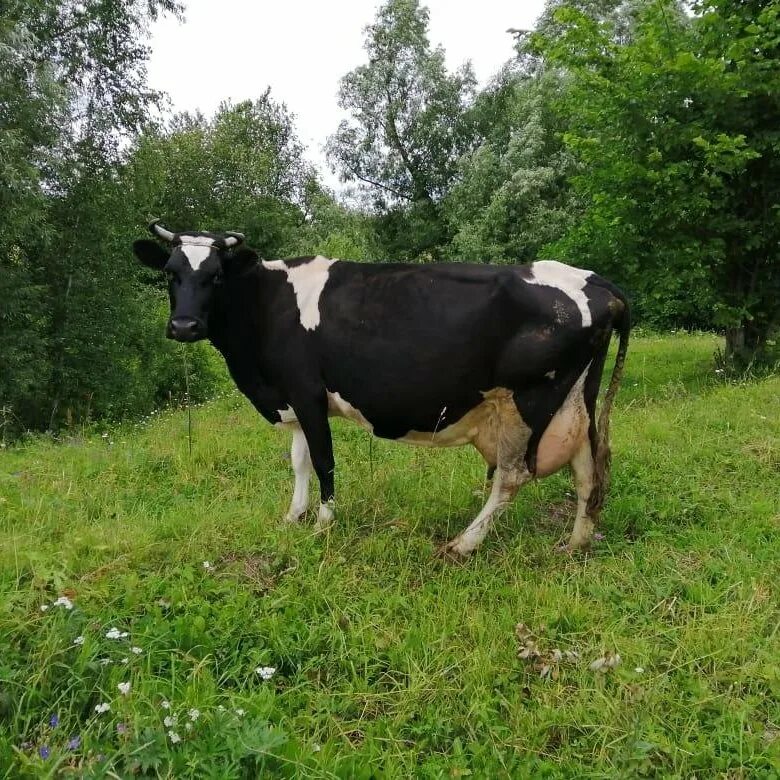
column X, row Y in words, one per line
column 196, row 249
column 308, row 281
column 569, row 280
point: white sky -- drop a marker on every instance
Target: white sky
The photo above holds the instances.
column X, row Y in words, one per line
column 233, row 49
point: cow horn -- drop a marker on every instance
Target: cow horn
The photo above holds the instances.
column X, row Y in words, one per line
column 158, row 230
column 233, row 238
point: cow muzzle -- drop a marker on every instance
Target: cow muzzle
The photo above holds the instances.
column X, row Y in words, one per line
column 185, row 329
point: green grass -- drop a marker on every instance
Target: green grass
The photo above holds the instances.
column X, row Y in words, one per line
column 390, row 662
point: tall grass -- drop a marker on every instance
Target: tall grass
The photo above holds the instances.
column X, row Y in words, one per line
column 389, row 662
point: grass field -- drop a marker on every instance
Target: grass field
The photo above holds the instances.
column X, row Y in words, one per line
column 388, row 661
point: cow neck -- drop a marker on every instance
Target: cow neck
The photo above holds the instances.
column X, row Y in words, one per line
column 237, row 324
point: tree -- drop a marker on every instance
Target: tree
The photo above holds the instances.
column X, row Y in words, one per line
column 244, row 169
column 673, row 130
column 512, row 197
column 72, row 85
column 408, row 122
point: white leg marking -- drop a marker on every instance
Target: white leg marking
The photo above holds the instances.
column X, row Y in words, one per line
column 325, row 517
column 506, row 483
column 582, row 466
column 301, row 463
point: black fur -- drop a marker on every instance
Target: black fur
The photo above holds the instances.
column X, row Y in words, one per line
column 413, row 347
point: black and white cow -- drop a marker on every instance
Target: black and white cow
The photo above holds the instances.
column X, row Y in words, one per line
column 506, row 358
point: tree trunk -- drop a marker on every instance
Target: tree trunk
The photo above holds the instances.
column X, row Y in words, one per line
column 744, row 343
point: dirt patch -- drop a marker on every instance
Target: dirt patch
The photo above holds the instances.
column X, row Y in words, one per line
column 261, row 570
column 556, row 517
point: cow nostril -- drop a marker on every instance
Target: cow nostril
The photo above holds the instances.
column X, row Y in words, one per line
column 184, row 324
column 183, row 327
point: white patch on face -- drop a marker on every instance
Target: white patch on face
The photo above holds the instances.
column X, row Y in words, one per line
column 308, row 281
column 196, row 249
column 569, row 280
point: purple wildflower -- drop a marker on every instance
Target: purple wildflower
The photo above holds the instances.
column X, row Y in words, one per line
column 44, row 752
column 598, row 537
column 121, row 728
column 74, row 743
column 54, row 721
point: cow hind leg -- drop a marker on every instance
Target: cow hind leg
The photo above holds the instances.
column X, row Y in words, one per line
column 585, row 478
column 506, row 483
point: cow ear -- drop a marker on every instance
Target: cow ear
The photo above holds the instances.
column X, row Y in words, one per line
column 150, row 253
column 239, row 260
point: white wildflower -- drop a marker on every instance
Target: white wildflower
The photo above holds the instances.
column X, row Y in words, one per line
column 207, row 565
column 169, row 720
column 63, row 601
column 136, row 650
column 639, row 670
column 266, row 672
column 104, row 661
column 174, row 737
column 316, row 748
column 79, row 640
column 44, row 607
column 125, row 660
column 124, row 635
column 194, row 714
column 221, row 708
column 240, row 712
column 165, row 704
column 124, row 688
column 113, row 633
column 188, row 726
column 102, row 707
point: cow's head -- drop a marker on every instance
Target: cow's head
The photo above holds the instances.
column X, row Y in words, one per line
column 195, row 265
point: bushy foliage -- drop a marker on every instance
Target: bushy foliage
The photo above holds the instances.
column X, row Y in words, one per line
column 80, row 326
column 675, row 132
column 511, row 198
column 636, row 139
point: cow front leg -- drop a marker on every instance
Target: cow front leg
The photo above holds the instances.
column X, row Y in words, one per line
column 313, row 419
column 506, row 483
column 302, row 467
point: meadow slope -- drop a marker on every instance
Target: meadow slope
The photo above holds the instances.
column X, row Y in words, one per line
column 389, row 662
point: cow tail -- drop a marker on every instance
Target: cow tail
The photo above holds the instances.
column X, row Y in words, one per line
column 603, row 454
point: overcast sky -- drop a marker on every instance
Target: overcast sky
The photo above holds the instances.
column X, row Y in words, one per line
column 233, row 49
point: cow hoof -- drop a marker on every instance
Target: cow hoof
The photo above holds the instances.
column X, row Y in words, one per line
column 324, row 518
column 453, row 552
column 291, row 519
column 573, row 549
